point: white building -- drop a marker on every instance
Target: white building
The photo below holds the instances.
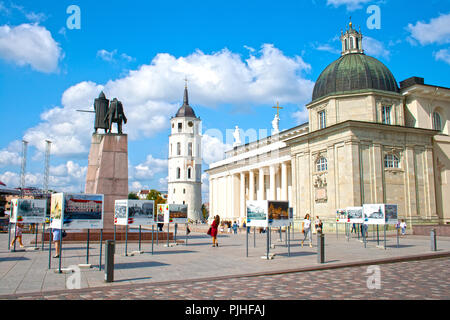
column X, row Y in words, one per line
column 185, row 160
column 367, row 140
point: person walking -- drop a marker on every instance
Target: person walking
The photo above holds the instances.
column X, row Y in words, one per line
column 307, row 230
column 353, row 228
column 318, row 225
column 57, row 234
column 235, row 227
column 18, row 228
column 403, row 227
column 214, row 230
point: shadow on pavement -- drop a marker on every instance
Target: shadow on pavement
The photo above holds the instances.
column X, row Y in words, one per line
column 296, row 254
column 134, row 279
column 13, row 259
column 173, row 252
column 134, row 265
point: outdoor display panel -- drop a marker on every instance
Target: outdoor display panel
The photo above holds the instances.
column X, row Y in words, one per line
column 354, row 214
column 341, row 216
column 28, row 211
column 374, row 214
column 278, row 213
column 172, row 213
column 391, row 213
column 76, row 211
column 267, row 213
column 134, row 212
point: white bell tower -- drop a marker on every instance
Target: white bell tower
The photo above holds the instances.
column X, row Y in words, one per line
column 185, row 160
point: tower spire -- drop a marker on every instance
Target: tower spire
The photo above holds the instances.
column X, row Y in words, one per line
column 186, row 96
column 351, row 40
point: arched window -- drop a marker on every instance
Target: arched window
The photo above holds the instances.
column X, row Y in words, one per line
column 322, row 164
column 437, row 123
column 189, row 172
column 178, row 173
column 190, row 149
column 178, row 149
column 391, row 161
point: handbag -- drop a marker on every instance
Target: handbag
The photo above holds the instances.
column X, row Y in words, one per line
column 209, row 231
column 64, row 234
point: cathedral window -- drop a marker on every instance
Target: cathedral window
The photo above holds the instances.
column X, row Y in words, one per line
column 180, row 127
column 321, row 164
column 178, row 173
column 386, row 115
column 322, row 120
column 437, row 123
column 190, row 149
column 178, row 149
column 189, row 172
column 391, row 161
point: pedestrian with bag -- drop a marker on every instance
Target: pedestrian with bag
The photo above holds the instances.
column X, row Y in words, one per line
column 18, row 228
column 213, row 230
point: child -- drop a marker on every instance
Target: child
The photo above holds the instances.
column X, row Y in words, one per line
column 403, row 227
column 18, row 234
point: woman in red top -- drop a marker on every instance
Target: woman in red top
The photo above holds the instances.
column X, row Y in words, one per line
column 214, row 228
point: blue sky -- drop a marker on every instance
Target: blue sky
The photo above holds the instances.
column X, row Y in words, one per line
column 240, row 57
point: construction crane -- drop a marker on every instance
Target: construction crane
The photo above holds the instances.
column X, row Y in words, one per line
column 47, row 166
column 24, row 165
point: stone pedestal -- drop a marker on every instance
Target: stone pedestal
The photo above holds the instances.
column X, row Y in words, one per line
column 107, row 172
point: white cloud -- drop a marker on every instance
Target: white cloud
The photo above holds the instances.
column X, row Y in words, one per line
column 351, row 5
column 30, row 44
column 375, row 48
column 327, row 48
column 112, row 56
column 443, row 55
column 11, row 155
column 436, row 31
column 213, row 148
column 149, row 168
column 301, row 116
column 152, row 94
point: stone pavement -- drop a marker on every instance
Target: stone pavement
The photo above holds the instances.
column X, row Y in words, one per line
column 24, row 273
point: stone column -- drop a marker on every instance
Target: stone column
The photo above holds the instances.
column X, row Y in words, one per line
column 251, row 183
column 261, row 192
column 272, row 191
column 284, row 182
column 242, row 196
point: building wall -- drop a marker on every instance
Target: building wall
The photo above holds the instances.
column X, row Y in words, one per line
column 356, row 173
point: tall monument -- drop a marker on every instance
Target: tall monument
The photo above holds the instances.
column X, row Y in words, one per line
column 107, row 172
column 185, row 160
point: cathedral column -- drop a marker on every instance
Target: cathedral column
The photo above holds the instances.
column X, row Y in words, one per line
column 284, row 182
column 261, row 192
column 272, row 191
column 242, row 196
column 211, row 196
column 251, row 183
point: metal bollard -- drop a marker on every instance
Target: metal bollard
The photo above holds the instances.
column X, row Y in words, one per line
column 433, row 240
column 321, row 248
column 109, row 260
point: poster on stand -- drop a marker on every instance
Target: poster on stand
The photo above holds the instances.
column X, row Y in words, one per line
column 341, row 216
column 355, row 214
column 374, row 214
column 134, row 212
column 391, row 214
column 28, row 211
column 76, row 211
column 172, row 213
column 278, row 214
column 257, row 213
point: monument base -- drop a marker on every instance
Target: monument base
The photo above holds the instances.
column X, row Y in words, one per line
column 107, row 172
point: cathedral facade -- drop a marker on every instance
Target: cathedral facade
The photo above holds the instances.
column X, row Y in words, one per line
column 368, row 140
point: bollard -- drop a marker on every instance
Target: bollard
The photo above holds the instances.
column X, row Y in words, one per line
column 320, row 248
column 109, row 261
column 433, row 240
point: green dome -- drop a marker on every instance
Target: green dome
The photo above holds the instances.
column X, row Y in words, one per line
column 353, row 73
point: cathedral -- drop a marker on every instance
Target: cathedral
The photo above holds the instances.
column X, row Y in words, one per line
column 368, row 140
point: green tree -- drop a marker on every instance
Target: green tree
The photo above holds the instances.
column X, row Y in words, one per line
column 133, row 196
column 156, row 196
column 205, row 212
